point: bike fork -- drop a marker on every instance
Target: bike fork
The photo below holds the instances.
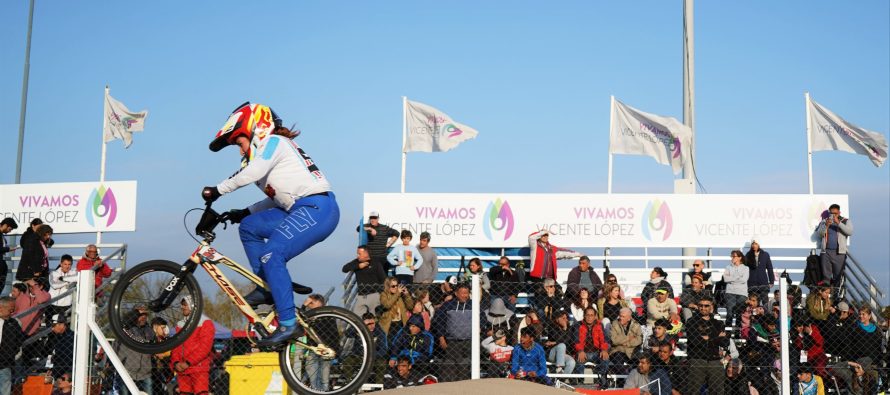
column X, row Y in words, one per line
column 171, row 290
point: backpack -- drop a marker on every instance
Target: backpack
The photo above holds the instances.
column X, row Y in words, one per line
column 812, row 274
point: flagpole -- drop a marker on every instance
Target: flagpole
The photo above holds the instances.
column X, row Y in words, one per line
column 689, row 106
column 104, row 152
column 404, row 137
column 809, row 143
column 611, row 122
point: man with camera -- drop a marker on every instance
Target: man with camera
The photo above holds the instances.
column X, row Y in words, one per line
column 831, row 236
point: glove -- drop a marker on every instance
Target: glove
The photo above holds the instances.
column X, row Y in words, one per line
column 210, row 194
column 235, row 216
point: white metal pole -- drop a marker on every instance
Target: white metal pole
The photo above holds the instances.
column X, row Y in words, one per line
column 104, row 151
column 404, row 137
column 689, row 103
column 809, row 143
column 783, row 329
column 85, row 285
column 611, row 124
column 475, row 339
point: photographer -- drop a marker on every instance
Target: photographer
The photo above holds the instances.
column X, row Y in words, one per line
column 396, row 303
column 831, row 236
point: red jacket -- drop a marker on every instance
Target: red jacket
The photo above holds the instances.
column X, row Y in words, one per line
column 598, row 338
column 197, row 350
column 537, row 254
column 103, row 272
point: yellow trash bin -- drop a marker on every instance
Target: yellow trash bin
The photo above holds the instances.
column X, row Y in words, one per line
column 256, row 374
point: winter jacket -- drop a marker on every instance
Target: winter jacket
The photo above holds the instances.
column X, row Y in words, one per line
column 503, row 283
column 656, row 311
column 401, row 252
column 101, row 273
column 698, row 348
column 818, row 307
column 531, row 360
column 761, row 269
column 10, row 342
column 590, row 338
column 736, row 278
column 197, row 350
column 653, row 285
column 59, row 283
column 396, row 307
column 844, row 230
column 136, row 363
column 419, row 347
column 368, row 280
column 30, row 322
column 626, row 338
column 538, row 253
column 35, row 259
column 573, row 284
column 867, row 341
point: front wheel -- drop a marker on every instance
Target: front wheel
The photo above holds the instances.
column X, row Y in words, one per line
column 154, row 294
column 342, row 372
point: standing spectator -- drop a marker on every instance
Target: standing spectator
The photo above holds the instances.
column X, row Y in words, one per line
column 405, row 258
column 380, row 237
column 736, row 277
column 591, row 345
column 396, row 303
column 453, row 329
column 34, row 295
column 657, row 280
column 698, row 267
column 670, row 364
column 62, row 341
column 191, row 360
column 427, row 273
column 543, row 255
column 583, row 276
column 761, row 275
column 528, row 360
column 136, row 363
column 35, row 257
column 11, row 338
column 6, row 226
column 504, row 282
column 626, row 335
column 444, row 292
column 661, row 308
column 60, row 281
column 706, row 336
column 692, row 295
column 580, row 301
column 414, row 343
column 559, row 343
column 643, row 375
column 369, row 277
column 91, row 261
column 831, row 237
column 404, row 376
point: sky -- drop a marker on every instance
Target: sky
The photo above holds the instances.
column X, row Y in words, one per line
column 534, row 78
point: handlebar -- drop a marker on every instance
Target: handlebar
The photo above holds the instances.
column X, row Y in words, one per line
column 209, row 221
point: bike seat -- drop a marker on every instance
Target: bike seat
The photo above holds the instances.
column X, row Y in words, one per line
column 301, row 289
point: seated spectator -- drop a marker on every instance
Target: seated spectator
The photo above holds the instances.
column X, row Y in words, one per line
column 505, row 282
column 443, row 292
column 591, row 344
column 352, row 361
column 33, row 295
column 660, row 335
column 738, row 379
column 369, row 278
column 698, row 268
column 404, row 376
column 838, row 330
column 530, row 320
column 583, row 276
column 865, row 339
column 60, row 344
column 91, row 261
column 475, row 267
column 62, row 385
column 580, row 301
column 809, row 339
column 405, row 258
column 60, row 281
column 548, row 301
column 414, row 343
column 643, row 375
column 611, row 278
column 661, row 308
column 396, row 302
column 611, row 303
column 691, row 295
column 500, row 354
column 819, row 305
column 752, row 309
column 809, row 383
column 528, row 360
column 420, row 310
column 559, row 343
column 657, row 280
column 626, row 336
column 675, row 368
column 499, row 316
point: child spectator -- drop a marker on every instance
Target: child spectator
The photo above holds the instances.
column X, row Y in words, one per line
column 500, row 354
column 528, row 360
column 405, row 258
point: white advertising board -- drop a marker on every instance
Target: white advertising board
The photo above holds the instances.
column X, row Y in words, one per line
column 606, row 220
column 72, row 207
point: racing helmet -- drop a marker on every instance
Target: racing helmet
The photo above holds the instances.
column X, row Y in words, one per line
column 248, row 120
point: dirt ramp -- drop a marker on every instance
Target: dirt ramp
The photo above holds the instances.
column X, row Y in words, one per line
column 478, row 387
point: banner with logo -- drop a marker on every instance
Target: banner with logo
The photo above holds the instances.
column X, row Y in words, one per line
column 431, row 130
column 606, row 220
column 72, row 207
column 833, row 133
column 120, row 122
column 635, row 132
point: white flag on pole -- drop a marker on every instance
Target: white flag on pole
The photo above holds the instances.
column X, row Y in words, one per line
column 120, row 123
column 634, row 132
column 431, row 130
column 832, row 133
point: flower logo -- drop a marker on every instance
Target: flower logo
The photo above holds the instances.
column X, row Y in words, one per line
column 498, row 219
column 101, row 204
column 657, row 220
column 452, row 130
column 676, row 148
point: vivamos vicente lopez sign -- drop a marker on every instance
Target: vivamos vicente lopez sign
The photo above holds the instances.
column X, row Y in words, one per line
column 606, row 220
column 77, row 207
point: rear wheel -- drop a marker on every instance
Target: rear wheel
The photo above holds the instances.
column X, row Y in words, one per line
column 345, row 370
column 147, row 294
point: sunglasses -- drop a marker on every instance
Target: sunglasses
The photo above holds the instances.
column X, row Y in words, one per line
column 705, row 305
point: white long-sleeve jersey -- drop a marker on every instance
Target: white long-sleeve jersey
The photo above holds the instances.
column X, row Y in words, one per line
column 282, row 170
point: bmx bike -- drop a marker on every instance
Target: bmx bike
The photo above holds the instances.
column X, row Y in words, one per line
column 332, row 355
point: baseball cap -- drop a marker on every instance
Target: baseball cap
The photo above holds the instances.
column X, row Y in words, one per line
column 59, row 319
column 374, row 214
column 499, row 334
column 451, row 280
column 9, row 222
column 843, row 306
column 661, row 291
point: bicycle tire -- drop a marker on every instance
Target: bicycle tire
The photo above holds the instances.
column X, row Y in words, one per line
column 121, row 307
column 361, row 335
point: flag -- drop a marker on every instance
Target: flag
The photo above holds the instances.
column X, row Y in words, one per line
column 634, row 132
column 832, row 133
column 120, row 123
column 431, row 130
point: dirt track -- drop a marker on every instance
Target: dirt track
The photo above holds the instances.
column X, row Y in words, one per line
column 479, row 387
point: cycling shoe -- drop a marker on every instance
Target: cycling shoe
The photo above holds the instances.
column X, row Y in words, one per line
column 282, row 335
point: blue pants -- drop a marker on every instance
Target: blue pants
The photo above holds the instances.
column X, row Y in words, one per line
column 274, row 236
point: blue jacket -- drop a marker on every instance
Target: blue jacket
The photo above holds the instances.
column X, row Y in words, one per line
column 533, row 360
column 761, row 269
column 416, row 347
